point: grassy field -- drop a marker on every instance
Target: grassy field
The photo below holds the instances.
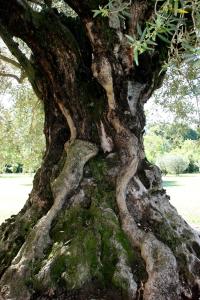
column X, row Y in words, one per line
column 183, row 189
column 14, row 190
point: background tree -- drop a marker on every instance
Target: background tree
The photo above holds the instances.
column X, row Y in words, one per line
column 180, row 94
column 174, row 138
column 172, row 163
column 173, row 118
column 98, row 223
column 22, row 141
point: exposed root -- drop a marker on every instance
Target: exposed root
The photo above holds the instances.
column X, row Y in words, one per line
column 162, row 265
column 123, row 272
column 13, row 281
column 163, row 281
column 182, row 239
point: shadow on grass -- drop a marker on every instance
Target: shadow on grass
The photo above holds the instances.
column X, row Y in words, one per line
column 168, row 183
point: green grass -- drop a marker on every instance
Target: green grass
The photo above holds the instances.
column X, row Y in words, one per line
column 183, row 190
column 14, row 190
column 185, row 196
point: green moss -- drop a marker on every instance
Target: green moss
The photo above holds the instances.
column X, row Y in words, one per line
column 91, row 246
column 168, row 236
column 25, row 227
column 58, row 267
column 98, row 167
column 109, row 258
column 91, row 253
column 89, row 234
column 13, row 235
column 104, row 192
column 34, row 284
column 71, row 223
column 139, row 267
column 89, row 231
column 120, row 283
column 122, row 239
column 82, row 259
column 104, row 196
column 183, row 266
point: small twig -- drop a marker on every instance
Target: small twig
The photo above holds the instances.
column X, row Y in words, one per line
column 10, row 61
column 11, row 76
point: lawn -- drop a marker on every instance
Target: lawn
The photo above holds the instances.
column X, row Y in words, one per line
column 183, row 189
column 14, row 190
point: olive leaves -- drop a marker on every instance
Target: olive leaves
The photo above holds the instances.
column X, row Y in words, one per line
column 175, row 23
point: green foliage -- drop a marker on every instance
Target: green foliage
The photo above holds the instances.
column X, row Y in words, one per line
column 161, row 27
column 163, row 137
column 175, row 133
column 114, row 7
column 21, row 124
column 155, row 146
column 14, row 168
column 180, row 94
column 190, row 149
column 167, row 144
column 170, row 25
column 172, row 164
column 174, row 23
column 179, row 97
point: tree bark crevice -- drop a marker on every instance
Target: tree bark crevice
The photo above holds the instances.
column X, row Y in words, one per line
column 101, row 225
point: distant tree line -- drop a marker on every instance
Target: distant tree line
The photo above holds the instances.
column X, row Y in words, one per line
column 174, row 147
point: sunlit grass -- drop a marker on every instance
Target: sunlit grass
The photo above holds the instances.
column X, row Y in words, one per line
column 14, row 190
column 184, row 191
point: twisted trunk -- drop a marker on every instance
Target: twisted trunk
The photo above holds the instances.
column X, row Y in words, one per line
column 98, row 222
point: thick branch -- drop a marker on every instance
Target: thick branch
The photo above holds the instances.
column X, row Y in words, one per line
column 14, row 49
column 84, row 8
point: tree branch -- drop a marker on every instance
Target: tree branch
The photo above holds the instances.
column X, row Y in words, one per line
column 14, row 49
column 10, row 61
column 11, row 76
column 83, row 8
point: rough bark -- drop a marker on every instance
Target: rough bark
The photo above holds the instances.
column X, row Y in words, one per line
column 98, row 223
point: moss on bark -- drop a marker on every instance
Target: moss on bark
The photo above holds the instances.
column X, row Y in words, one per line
column 88, row 244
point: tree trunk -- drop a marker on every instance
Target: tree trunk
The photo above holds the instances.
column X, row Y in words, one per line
column 98, row 223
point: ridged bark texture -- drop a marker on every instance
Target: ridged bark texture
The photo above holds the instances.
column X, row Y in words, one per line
column 98, row 223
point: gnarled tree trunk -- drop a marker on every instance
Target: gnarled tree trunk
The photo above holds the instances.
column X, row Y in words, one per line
column 98, row 223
